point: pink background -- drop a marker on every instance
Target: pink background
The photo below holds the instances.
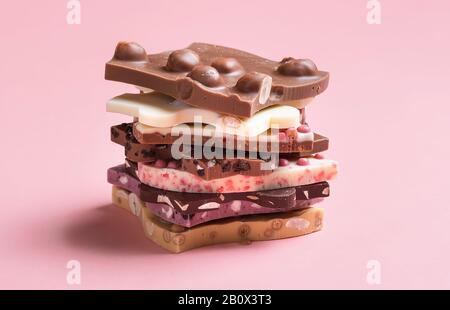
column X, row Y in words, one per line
column 386, row 112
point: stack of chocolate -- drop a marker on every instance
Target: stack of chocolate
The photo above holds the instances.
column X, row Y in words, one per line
column 219, row 149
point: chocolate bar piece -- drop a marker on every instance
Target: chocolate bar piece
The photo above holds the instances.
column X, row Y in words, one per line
column 189, row 203
column 225, row 210
column 245, row 229
column 217, row 78
column 288, row 174
column 224, row 165
column 288, row 140
column 161, row 112
column 140, row 146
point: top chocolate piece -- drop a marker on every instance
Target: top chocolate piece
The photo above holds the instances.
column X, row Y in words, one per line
column 217, row 78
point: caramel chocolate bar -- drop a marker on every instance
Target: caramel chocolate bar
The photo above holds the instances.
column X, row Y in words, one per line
column 217, row 78
column 189, row 203
column 141, row 146
column 245, row 229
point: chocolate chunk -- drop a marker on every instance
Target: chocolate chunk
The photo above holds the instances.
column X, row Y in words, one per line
column 206, row 75
column 226, row 166
column 201, row 172
column 195, row 80
column 182, row 60
column 130, row 51
column 227, row 65
column 241, row 165
column 256, row 82
column 297, row 67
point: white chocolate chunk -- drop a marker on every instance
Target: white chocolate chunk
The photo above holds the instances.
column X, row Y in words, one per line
column 162, row 113
column 236, row 205
column 297, row 223
column 167, row 211
column 266, row 87
column 123, row 180
column 209, row 206
column 306, row 193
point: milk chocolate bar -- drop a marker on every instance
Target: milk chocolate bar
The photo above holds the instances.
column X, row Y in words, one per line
column 217, row 78
column 245, row 229
column 287, row 140
column 189, row 203
column 141, row 146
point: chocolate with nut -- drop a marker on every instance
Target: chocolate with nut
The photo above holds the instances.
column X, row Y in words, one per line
column 217, row 78
column 188, row 203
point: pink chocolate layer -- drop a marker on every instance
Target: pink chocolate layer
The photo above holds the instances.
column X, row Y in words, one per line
column 226, row 210
column 311, row 170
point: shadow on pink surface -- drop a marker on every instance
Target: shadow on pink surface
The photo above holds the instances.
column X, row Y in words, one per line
column 108, row 229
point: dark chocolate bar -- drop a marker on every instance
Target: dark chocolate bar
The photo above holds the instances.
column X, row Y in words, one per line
column 217, row 78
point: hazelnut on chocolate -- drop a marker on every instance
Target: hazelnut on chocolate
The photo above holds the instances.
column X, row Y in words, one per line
column 227, row 65
column 167, row 72
column 182, row 60
column 206, row 75
column 297, row 67
column 130, row 51
column 256, row 82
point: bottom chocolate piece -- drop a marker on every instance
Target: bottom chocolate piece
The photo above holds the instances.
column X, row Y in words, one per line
column 176, row 239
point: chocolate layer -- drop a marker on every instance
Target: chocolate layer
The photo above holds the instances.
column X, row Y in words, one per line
column 251, row 164
column 217, row 78
column 189, row 203
column 139, row 147
column 224, row 210
column 243, row 229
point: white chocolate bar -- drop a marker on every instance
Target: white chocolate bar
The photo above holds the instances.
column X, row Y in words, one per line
column 158, row 110
column 317, row 170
